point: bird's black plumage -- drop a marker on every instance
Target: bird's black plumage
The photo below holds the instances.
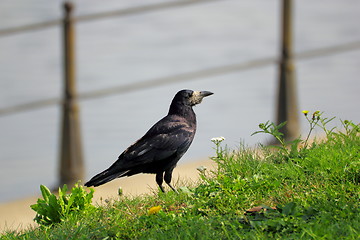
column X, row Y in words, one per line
column 159, row 150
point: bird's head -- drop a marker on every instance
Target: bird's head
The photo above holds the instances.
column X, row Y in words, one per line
column 190, row 98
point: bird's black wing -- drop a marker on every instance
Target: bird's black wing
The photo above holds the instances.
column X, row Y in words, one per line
column 171, row 135
column 166, row 141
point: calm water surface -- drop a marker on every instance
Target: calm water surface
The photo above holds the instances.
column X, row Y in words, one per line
column 117, row 51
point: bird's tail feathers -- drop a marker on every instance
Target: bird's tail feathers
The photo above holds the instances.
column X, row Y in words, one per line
column 104, row 177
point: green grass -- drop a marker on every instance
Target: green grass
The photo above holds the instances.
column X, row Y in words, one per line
column 311, row 192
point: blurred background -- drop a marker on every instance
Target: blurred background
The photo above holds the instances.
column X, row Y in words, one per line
column 121, row 49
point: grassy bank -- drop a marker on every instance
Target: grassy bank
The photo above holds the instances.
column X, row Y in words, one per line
column 305, row 191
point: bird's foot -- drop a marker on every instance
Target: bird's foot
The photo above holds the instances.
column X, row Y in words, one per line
column 162, row 188
column 173, row 188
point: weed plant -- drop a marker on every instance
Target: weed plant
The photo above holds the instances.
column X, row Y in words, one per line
column 298, row 190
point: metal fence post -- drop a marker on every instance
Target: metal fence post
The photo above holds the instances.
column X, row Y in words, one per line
column 71, row 156
column 287, row 108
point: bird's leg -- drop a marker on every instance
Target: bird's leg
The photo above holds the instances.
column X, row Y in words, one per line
column 167, row 178
column 159, row 180
column 173, row 188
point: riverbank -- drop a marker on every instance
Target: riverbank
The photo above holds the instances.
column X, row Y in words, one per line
column 17, row 215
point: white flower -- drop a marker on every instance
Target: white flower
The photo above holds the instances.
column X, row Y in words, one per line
column 201, row 169
column 217, row 139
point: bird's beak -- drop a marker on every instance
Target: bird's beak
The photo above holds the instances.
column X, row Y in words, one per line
column 205, row 93
column 197, row 97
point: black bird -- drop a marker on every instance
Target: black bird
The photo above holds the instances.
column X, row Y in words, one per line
column 159, row 150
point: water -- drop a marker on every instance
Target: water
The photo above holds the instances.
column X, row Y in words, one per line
column 130, row 49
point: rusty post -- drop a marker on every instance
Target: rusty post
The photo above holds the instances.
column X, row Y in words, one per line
column 287, row 108
column 71, row 156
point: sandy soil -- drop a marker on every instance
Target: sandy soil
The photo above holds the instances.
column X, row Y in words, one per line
column 17, row 215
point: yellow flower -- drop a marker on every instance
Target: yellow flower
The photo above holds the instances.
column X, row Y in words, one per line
column 154, row 210
column 305, row 112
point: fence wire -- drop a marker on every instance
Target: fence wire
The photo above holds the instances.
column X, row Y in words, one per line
column 195, row 75
column 183, row 77
column 110, row 14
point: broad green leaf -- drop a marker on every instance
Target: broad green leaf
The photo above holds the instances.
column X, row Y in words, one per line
column 45, row 192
